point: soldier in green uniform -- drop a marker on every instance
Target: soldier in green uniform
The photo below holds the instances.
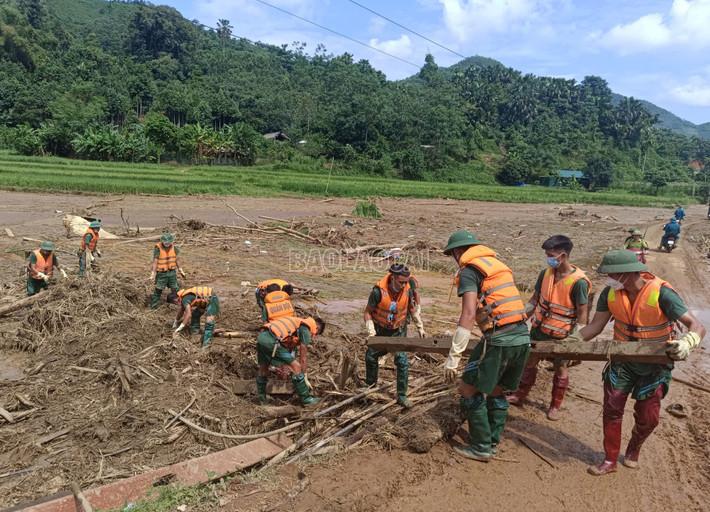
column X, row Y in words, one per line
column 164, row 268
column 40, row 267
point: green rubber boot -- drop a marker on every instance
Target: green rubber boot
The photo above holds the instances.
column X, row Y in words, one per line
column 372, row 366
column 479, row 430
column 207, row 335
column 155, row 298
column 497, row 414
column 261, row 389
column 402, row 364
column 299, row 383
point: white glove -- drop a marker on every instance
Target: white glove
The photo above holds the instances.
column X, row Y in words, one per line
column 370, row 326
column 89, row 256
column 175, row 324
column 182, row 272
column 64, row 274
column 180, row 328
column 98, row 253
column 417, row 317
column 42, row 275
column 152, row 276
column 458, row 344
column 679, row 350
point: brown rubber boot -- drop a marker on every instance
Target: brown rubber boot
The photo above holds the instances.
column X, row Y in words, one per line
column 527, row 381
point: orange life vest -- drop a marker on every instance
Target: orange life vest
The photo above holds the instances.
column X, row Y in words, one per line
column 391, row 313
column 286, row 329
column 556, row 314
column 644, row 319
column 265, row 284
column 94, row 240
column 202, row 296
column 499, row 301
column 44, row 265
column 167, row 259
column 278, row 304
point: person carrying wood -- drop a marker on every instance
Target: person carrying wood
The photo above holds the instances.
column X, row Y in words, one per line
column 89, row 247
column 557, row 307
column 392, row 302
column 164, row 267
column 40, row 267
column 277, row 344
column 273, row 296
column 489, row 298
column 643, row 308
column 193, row 303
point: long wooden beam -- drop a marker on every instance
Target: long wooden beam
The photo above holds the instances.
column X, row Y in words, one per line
column 605, row 350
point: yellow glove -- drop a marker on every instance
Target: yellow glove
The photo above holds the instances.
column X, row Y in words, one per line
column 417, row 317
column 459, row 342
column 574, row 337
column 370, row 327
column 679, row 350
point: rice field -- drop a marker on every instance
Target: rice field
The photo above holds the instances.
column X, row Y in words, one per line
column 65, row 175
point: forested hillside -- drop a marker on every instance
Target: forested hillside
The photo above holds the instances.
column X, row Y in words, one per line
column 137, row 82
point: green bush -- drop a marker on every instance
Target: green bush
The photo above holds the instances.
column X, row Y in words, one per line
column 367, row 209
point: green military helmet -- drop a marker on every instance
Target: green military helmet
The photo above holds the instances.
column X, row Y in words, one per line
column 47, row 246
column 621, row 261
column 461, row 238
column 636, row 232
column 167, row 238
column 95, row 224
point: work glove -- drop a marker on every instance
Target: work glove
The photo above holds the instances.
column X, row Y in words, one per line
column 417, row 317
column 182, row 273
column 679, row 350
column 64, row 274
column 43, row 276
column 574, row 336
column 370, row 327
column 529, row 310
column 152, row 276
column 98, row 253
column 175, row 324
column 180, row 328
column 459, row 342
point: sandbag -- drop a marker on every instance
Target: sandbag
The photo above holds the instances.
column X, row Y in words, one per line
column 77, row 226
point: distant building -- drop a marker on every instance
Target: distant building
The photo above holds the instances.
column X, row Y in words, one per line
column 563, row 177
column 276, row 136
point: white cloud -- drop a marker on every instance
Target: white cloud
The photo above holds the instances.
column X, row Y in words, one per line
column 377, row 25
column 401, row 47
column 686, row 24
column 695, row 92
column 469, row 19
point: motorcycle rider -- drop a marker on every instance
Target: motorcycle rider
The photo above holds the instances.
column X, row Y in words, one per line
column 670, row 230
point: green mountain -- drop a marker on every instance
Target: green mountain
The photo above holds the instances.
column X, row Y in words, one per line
column 669, row 120
column 128, row 80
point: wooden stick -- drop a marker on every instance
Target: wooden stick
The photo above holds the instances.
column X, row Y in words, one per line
column 229, row 436
column 185, row 409
column 541, row 456
column 9, row 233
column 691, row 384
column 51, row 437
column 87, row 370
column 6, row 415
column 240, row 215
column 154, row 238
column 22, row 303
column 266, row 217
column 80, row 498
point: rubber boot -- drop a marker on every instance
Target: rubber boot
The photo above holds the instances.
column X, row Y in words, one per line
column 299, row 383
column 402, row 363
column 372, row 366
column 497, row 414
column 261, row 389
column 155, row 298
column 527, row 381
column 613, row 414
column 646, row 416
column 559, row 387
column 479, row 430
column 207, row 335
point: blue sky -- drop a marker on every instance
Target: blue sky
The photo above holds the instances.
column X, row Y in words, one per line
column 650, row 49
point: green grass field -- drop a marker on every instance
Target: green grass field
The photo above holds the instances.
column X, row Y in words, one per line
column 65, row 175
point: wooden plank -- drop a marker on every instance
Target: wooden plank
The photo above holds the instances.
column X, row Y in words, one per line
column 274, row 387
column 605, row 350
column 191, row 472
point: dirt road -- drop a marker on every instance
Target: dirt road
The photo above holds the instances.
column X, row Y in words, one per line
column 675, row 468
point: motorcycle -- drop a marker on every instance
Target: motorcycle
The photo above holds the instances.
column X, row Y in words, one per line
column 669, row 244
column 640, row 254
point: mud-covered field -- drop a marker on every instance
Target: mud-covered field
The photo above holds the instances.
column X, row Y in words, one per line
column 91, row 372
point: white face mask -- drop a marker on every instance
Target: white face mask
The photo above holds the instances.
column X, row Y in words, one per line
column 614, row 284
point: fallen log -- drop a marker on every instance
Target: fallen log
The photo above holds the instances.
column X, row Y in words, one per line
column 607, row 350
column 233, row 334
column 275, row 412
column 23, row 303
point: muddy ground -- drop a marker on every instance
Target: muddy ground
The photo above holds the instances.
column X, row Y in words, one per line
column 113, row 432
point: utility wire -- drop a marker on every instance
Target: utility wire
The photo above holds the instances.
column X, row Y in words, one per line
column 406, row 28
column 338, row 33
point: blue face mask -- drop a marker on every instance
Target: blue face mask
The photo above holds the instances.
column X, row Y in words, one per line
column 553, row 262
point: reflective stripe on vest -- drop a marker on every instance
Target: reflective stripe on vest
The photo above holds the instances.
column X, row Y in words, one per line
column 644, row 319
column 285, row 329
column 499, row 301
column 391, row 313
column 278, row 305
column 167, row 259
column 46, row 266
column 94, row 240
column 202, row 294
column 555, row 313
